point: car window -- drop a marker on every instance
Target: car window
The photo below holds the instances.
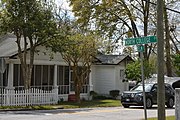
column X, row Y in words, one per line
column 154, row 89
column 147, row 87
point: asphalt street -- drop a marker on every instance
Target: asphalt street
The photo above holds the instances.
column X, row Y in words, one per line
column 110, row 113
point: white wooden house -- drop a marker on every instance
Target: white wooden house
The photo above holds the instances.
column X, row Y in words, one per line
column 51, row 78
column 108, row 73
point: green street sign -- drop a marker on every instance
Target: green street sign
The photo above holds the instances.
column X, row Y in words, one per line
column 130, row 41
column 140, row 40
column 140, row 48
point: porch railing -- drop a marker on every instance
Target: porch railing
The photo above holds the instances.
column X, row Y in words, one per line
column 65, row 89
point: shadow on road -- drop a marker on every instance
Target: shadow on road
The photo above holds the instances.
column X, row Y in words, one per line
column 41, row 112
column 141, row 107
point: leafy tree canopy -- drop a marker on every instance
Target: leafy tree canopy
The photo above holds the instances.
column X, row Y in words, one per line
column 29, row 18
column 78, row 48
column 133, row 70
column 32, row 21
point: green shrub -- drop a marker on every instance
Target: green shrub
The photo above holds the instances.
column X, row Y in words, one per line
column 96, row 96
column 93, row 94
column 101, row 97
column 114, row 93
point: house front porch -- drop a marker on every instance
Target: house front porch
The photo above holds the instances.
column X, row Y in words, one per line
column 50, row 84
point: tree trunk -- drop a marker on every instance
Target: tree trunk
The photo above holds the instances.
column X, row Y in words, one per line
column 77, row 93
column 22, row 57
column 160, row 50
column 167, row 45
column 175, row 46
column 25, row 62
column 77, row 85
column 146, row 15
column 26, row 68
column 77, row 90
column 32, row 50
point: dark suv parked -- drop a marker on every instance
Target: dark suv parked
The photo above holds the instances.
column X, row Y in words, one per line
column 135, row 95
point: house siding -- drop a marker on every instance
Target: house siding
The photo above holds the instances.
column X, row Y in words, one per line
column 104, row 79
column 120, row 84
column 107, row 77
column 43, row 56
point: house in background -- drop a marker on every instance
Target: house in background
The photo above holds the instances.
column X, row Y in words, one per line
column 108, row 73
column 52, row 78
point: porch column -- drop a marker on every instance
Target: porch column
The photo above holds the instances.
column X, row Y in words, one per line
column 10, row 77
column 90, row 88
column 9, row 99
column 90, row 82
column 55, row 90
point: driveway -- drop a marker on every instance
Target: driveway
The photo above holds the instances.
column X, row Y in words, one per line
column 110, row 113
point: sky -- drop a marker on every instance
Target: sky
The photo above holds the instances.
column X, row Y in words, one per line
column 63, row 3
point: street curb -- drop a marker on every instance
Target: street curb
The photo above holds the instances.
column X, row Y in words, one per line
column 28, row 109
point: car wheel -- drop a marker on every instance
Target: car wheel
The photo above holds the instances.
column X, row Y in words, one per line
column 126, row 106
column 170, row 103
column 148, row 103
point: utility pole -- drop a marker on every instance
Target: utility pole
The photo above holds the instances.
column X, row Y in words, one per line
column 160, row 49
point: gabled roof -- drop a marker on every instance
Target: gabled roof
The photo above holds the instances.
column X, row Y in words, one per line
column 8, row 45
column 111, row 59
column 8, row 48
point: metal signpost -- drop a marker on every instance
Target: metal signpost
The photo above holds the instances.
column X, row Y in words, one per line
column 140, row 48
column 139, row 42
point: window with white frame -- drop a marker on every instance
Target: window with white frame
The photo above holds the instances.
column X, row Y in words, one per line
column 122, row 73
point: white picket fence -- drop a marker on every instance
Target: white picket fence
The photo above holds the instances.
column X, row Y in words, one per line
column 32, row 96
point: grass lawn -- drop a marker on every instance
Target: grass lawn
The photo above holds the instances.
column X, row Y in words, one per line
column 93, row 103
column 66, row 105
column 167, row 118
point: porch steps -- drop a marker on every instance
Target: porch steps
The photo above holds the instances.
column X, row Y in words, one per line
column 72, row 97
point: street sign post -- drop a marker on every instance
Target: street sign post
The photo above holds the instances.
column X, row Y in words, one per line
column 139, row 42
